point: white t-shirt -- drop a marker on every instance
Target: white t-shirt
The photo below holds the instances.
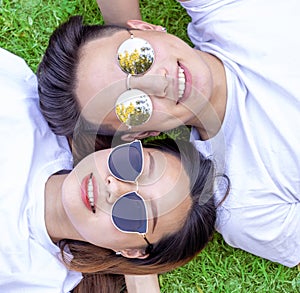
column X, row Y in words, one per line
column 30, row 153
column 258, row 146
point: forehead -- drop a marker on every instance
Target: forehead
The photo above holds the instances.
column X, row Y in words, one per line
column 97, row 64
column 99, row 78
column 169, row 186
column 171, row 194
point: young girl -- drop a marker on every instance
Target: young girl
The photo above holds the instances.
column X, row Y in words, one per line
column 126, row 210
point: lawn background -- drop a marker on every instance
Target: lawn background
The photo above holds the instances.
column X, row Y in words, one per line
column 25, row 28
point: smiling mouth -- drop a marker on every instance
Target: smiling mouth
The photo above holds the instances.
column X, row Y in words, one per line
column 88, row 193
column 181, row 83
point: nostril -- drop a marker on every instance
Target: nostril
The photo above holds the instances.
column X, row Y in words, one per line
column 108, row 180
column 111, row 185
column 166, row 90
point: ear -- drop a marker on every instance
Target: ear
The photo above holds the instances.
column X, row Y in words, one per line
column 142, row 25
column 134, row 253
column 138, row 135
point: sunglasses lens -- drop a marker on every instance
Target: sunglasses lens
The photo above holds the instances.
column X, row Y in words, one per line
column 129, row 213
column 126, row 161
column 133, row 107
column 135, row 56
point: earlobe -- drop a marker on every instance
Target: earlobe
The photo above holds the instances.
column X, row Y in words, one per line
column 138, row 135
column 134, row 253
column 142, row 25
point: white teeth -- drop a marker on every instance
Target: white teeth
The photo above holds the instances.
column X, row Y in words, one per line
column 90, row 192
column 181, row 83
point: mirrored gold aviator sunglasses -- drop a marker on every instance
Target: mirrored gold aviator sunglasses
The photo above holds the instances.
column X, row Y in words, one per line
column 135, row 57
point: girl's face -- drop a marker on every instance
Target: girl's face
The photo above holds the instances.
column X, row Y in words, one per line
column 163, row 184
column 179, row 82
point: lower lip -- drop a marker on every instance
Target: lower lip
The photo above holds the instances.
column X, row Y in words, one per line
column 84, row 195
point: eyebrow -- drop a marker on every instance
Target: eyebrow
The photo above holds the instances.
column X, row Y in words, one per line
column 153, row 204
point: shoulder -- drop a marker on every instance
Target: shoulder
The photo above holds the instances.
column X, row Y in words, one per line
column 16, row 78
column 13, row 65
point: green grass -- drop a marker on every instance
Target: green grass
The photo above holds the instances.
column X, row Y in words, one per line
column 25, row 28
column 222, row 269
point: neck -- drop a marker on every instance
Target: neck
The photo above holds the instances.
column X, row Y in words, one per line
column 57, row 223
column 213, row 112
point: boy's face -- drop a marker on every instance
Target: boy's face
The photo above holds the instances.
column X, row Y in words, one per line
column 178, row 82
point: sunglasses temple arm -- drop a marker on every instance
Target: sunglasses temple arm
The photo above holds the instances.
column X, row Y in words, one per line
column 149, row 247
column 144, row 236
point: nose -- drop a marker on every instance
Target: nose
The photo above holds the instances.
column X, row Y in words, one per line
column 116, row 188
column 153, row 83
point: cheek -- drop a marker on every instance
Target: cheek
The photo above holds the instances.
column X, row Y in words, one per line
column 175, row 192
column 162, row 119
column 93, row 230
column 97, row 229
